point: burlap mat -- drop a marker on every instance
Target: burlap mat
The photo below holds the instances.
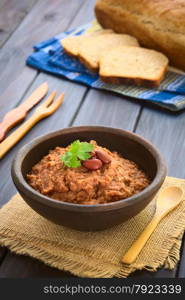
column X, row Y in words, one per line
column 93, row 254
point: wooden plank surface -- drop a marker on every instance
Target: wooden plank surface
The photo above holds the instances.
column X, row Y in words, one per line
column 16, row 92
column 81, row 107
column 111, row 110
column 12, row 12
column 19, row 89
column 44, row 21
column 20, row 266
column 107, row 109
column 166, row 131
column 63, row 117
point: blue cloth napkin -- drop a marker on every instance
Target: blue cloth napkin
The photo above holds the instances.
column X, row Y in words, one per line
column 49, row 56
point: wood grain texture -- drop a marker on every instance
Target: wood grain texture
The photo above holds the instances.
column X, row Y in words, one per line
column 79, row 108
column 19, row 90
column 107, row 109
column 61, row 118
column 101, row 108
column 16, row 90
column 18, row 114
column 35, row 27
column 13, row 94
column 12, row 12
column 166, row 131
column 161, row 273
column 19, row 266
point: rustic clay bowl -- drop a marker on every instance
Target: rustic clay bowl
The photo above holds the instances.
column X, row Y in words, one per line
column 90, row 217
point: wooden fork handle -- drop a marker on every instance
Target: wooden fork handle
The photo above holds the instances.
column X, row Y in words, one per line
column 138, row 245
column 12, row 139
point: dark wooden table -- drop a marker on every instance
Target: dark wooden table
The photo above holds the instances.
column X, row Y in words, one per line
column 23, row 24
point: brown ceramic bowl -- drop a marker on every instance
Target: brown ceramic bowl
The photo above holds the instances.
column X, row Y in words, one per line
column 90, row 217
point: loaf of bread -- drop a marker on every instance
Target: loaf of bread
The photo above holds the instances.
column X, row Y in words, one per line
column 156, row 24
column 71, row 44
column 91, row 50
column 136, row 65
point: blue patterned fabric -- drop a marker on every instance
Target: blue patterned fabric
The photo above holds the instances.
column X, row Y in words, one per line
column 50, row 57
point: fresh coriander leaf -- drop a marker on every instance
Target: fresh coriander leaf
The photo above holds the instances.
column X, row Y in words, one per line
column 83, row 155
column 75, row 146
column 66, row 156
column 75, row 163
column 67, row 163
column 86, row 147
column 70, row 160
column 77, row 151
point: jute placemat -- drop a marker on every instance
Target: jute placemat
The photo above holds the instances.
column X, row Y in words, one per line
column 93, row 254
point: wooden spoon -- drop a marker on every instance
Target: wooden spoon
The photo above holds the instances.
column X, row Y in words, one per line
column 167, row 200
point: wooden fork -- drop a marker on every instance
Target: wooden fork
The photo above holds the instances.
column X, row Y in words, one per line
column 43, row 111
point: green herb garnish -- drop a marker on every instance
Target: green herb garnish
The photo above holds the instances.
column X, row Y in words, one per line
column 77, row 151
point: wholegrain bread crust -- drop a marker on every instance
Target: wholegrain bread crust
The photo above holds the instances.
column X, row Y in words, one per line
column 133, row 65
column 133, row 81
column 156, row 24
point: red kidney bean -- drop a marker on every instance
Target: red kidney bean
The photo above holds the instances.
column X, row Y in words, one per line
column 104, row 157
column 92, row 164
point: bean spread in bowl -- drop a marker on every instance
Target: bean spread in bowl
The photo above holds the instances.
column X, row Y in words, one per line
column 86, row 173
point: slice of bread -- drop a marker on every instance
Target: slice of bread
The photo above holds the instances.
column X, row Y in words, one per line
column 136, row 65
column 91, row 50
column 71, row 44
